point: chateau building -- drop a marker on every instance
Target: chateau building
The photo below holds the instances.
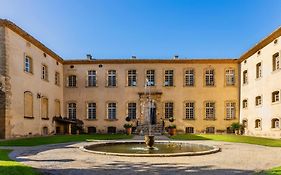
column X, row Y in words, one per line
column 41, row 94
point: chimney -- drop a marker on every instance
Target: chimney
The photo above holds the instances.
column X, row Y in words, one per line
column 89, row 57
column 176, row 57
column 134, row 57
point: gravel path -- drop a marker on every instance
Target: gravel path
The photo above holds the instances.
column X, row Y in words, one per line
column 235, row 158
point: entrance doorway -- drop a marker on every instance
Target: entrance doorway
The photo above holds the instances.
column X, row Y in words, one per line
column 152, row 112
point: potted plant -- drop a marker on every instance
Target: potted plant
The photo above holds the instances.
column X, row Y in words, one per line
column 128, row 128
column 172, row 130
column 236, row 127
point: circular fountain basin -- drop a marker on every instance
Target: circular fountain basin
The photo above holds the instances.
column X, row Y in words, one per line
column 160, row 149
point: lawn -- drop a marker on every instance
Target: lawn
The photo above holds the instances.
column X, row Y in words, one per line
column 274, row 171
column 230, row 138
column 34, row 141
column 9, row 167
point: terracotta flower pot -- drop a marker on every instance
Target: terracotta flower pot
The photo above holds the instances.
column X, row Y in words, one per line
column 128, row 131
column 172, row 131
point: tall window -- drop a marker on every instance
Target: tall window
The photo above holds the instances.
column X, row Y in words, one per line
column 132, row 77
column 44, row 73
column 275, row 123
column 275, row 61
column 245, row 77
column 275, row 96
column 189, row 110
column 209, row 77
column 210, row 110
column 169, row 78
column 189, row 77
column 57, row 78
column 132, row 110
column 111, row 111
column 28, row 64
column 230, row 77
column 230, row 110
column 245, row 103
column 72, row 82
column 57, row 108
column 258, row 100
column 258, row 70
column 111, row 78
column 150, row 76
column 92, row 78
column 72, row 111
column 257, row 123
column 44, row 107
column 169, row 110
column 91, row 111
column 189, row 130
column 28, row 104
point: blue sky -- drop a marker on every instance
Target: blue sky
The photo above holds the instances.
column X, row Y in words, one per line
column 146, row 28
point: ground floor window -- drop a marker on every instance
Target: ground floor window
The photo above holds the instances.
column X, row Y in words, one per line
column 92, row 130
column 111, row 130
column 275, row 123
column 245, row 123
column 257, row 123
column 210, row 130
column 189, row 130
column 45, row 130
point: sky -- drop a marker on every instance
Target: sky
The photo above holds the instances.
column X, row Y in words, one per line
column 145, row 28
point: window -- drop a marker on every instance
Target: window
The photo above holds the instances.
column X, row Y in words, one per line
column 275, row 96
column 258, row 100
column 111, row 111
column 28, row 104
column 230, row 110
column 91, row 110
column 189, row 130
column 209, row 77
column 257, row 123
column 245, row 123
column 92, row 130
column 111, row 78
column 150, row 77
column 45, row 130
column 132, row 110
column 245, row 77
column 72, row 82
column 111, row 130
column 132, row 77
column 210, row 130
column 57, row 78
column 189, row 77
column 169, row 78
column 275, row 61
column 189, row 110
column 72, row 111
column 245, row 103
column 230, row 77
column 28, row 64
column 44, row 107
column 258, row 70
column 275, row 123
column 210, row 110
column 57, row 108
column 92, row 78
column 44, row 73
column 169, row 110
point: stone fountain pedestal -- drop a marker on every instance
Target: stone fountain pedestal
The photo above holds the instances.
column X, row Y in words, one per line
column 149, row 141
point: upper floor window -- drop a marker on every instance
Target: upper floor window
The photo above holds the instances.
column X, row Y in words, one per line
column 111, row 111
column 132, row 77
column 44, row 73
column 169, row 110
column 275, row 96
column 71, row 108
column 230, row 77
column 91, row 110
column 111, row 78
column 210, row 77
column 92, row 78
column 169, row 78
column 210, row 110
column 44, row 107
column 258, row 100
column 57, row 78
column 230, row 110
column 275, row 123
column 132, row 110
column 28, row 64
column 71, row 81
column 258, row 70
column 150, row 77
column 257, row 123
column 245, row 103
column 245, row 77
column 189, row 110
column 275, row 61
column 28, row 104
column 189, row 77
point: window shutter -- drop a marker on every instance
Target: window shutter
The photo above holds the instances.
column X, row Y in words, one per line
column 87, row 110
column 67, row 81
column 87, row 80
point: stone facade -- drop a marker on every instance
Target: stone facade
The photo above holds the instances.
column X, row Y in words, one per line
column 2, row 83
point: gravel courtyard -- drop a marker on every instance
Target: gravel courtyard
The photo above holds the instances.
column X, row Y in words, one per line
column 234, row 158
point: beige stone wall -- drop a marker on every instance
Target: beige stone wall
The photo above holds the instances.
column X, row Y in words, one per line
column 264, row 86
column 2, row 83
column 177, row 94
column 20, row 81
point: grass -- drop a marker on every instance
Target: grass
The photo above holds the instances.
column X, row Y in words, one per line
column 9, row 167
column 230, row 138
column 274, row 171
column 34, row 141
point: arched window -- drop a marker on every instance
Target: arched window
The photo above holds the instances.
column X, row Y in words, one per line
column 275, row 123
column 257, row 123
column 44, row 107
column 245, row 123
column 28, row 104
column 28, row 64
